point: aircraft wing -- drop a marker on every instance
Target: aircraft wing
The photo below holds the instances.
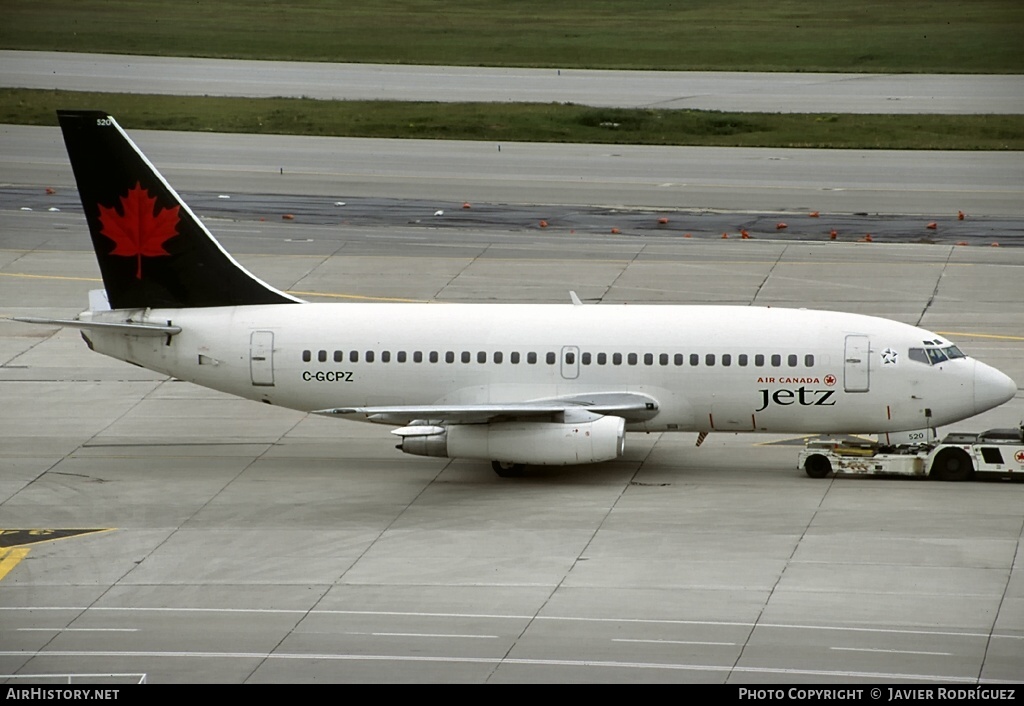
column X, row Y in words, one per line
column 631, row 406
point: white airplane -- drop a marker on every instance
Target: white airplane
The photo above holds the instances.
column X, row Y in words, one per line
column 513, row 384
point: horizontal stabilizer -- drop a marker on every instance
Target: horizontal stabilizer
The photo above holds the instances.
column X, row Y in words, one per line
column 125, row 327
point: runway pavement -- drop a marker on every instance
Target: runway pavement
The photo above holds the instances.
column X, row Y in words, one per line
column 727, row 91
column 930, row 186
column 240, row 542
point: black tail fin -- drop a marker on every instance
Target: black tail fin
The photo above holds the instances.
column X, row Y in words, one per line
column 152, row 250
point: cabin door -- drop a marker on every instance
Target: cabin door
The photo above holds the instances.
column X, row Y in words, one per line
column 261, row 358
column 857, row 364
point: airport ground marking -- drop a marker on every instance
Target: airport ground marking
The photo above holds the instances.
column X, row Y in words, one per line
column 25, row 275
column 993, row 336
column 499, row 661
column 14, row 543
column 365, row 297
column 11, row 557
column 557, row 618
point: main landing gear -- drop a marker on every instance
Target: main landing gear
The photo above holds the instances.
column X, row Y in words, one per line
column 508, row 470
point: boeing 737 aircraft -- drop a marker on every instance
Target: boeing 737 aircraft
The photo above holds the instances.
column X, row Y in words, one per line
column 513, row 384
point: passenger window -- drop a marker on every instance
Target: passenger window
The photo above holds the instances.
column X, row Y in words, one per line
column 570, row 358
column 551, row 358
column 481, row 357
column 322, row 356
column 648, row 359
column 759, row 360
column 616, row 359
column 499, row 356
column 694, row 359
column 531, row 358
column 353, row 356
column 369, row 357
column 742, row 359
column 631, row 358
column 776, row 360
column 585, row 358
column 385, row 356
column 433, row 356
column 401, row 356
column 663, row 359
column 307, row 356
column 449, row 356
column 709, row 359
column 464, row 357
column 726, row 359
column 338, row 356
column 792, row 359
column 678, row 359
column 514, row 358
column 602, row 358
column 417, row 357
column 809, row 361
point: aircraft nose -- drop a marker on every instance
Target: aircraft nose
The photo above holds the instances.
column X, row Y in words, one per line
column 991, row 387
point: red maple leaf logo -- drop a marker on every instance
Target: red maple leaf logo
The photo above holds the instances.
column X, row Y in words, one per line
column 139, row 228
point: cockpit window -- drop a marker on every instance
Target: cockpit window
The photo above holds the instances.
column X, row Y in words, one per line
column 919, row 355
column 934, row 356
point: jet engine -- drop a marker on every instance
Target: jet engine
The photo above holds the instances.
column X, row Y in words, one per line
column 598, row 438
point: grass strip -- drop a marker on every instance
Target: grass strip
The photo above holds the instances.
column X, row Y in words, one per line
column 523, row 122
column 918, row 36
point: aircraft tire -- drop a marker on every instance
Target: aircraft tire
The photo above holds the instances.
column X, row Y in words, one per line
column 509, row 470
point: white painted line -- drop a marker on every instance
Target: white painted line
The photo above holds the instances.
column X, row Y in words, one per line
column 675, row 642
column 78, row 630
column 424, row 634
column 897, row 652
column 602, row 664
column 491, row 616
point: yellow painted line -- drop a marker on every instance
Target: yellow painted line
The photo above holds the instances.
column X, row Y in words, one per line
column 994, row 336
column 681, row 258
column 9, row 558
column 359, row 297
column 363, row 297
column 72, row 279
column 326, row 294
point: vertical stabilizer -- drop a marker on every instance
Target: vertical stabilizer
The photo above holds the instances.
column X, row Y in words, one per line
column 152, row 250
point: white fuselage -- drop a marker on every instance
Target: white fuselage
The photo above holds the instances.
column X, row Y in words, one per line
column 710, row 368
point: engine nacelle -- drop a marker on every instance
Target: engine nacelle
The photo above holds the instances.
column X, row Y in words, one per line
column 537, row 443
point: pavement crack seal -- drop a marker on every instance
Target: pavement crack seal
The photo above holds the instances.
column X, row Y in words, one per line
column 935, row 291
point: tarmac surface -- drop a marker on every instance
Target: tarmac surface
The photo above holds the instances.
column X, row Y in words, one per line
column 694, row 90
column 236, row 542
